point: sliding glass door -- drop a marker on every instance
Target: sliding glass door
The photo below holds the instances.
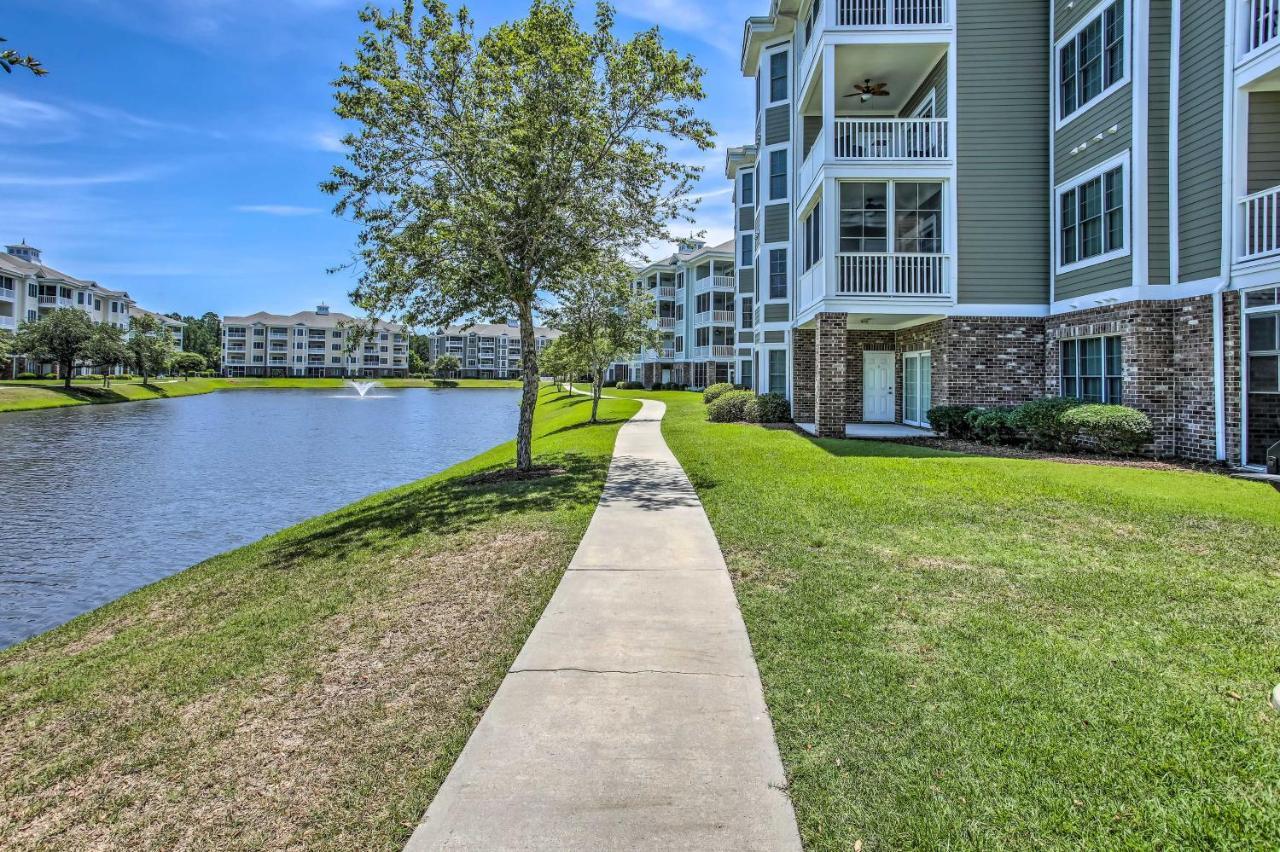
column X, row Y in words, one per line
column 917, row 388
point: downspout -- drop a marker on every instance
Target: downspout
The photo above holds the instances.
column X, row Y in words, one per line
column 1219, row 374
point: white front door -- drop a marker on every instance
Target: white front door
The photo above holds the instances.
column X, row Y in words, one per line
column 877, row 387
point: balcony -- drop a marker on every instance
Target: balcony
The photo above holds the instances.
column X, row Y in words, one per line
column 899, row 139
column 1260, row 23
column 862, row 14
column 714, row 318
column 893, row 275
column 47, row 301
column 665, row 323
column 8, row 322
column 718, row 352
column 7, row 294
column 712, row 283
column 1260, row 224
column 666, row 292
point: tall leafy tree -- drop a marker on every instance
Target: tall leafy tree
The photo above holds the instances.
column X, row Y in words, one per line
column 106, row 350
column 445, row 366
column 601, row 319
column 186, row 363
column 487, row 172
column 150, row 345
column 60, row 337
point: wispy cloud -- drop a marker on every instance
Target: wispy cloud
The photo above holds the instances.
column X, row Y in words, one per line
column 327, row 140
column 279, row 209
column 99, row 179
column 719, row 24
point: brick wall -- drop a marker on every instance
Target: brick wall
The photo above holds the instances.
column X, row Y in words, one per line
column 803, row 361
column 830, row 373
column 929, row 337
column 994, row 360
column 1233, row 383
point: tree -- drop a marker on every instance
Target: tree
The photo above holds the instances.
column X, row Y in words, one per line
column 10, row 59
column 150, row 345
column 60, row 336
column 445, row 366
column 487, row 172
column 416, row 364
column 601, row 319
column 106, row 349
column 186, row 363
column 559, row 361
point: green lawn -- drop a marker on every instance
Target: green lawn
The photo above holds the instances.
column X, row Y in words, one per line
column 30, row 395
column 307, row 691
column 974, row 652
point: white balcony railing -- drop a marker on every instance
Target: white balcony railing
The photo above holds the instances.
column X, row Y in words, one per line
column 812, row 163
column 891, row 139
column 46, row 301
column 715, row 352
column 906, row 275
column 1261, row 224
column 8, row 322
column 7, row 294
column 714, row 318
column 1261, row 23
column 666, row 292
column 723, row 283
column 666, row 323
column 891, row 13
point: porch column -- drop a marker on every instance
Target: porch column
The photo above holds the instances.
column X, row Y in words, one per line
column 831, row 345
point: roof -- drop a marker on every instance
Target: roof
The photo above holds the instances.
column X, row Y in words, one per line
column 737, row 158
column 134, row 311
column 311, row 318
column 725, row 248
column 18, row 266
column 482, row 329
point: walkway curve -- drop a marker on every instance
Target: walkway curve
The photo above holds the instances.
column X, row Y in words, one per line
column 633, row 717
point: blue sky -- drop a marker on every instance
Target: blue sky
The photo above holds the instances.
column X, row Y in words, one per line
column 175, row 147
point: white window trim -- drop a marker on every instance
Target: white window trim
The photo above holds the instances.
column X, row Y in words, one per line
column 924, row 421
column 929, row 103
column 1121, row 160
column 742, row 238
column 768, row 171
column 750, row 176
column 1056, row 62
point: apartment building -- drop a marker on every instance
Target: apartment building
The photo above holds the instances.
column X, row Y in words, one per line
column 989, row 201
column 485, row 350
column 29, row 289
column 697, row 304
column 313, row 344
column 176, row 328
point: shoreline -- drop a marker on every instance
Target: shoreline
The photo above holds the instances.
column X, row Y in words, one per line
column 39, row 395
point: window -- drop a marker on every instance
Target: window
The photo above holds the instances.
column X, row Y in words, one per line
column 679, row 343
column 747, row 181
column 864, row 217
column 744, row 374
column 1264, row 353
column 777, row 273
column 778, row 174
column 748, row 250
column 917, row 218
column 778, row 77
column 812, row 237
column 744, row 307
column 811, row 20
column 1093, row 369
column 1091, row 62
column 777, row 371
column 1092, row 220
column 97, row 304
column 32, row 290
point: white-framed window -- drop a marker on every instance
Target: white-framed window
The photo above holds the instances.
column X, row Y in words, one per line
column 778, row 174
column 747, row 193
column 778, row 273
column 776, row 364
column 747, row 255
column 1091, row 61
column 928, row 106
column 1262, row 328
column 914, row 207
column 1092, row 369
column 778, row 76
column 812, row 227
column 1093, row 216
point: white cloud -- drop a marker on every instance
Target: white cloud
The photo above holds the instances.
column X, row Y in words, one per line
column 279, row 209
column 102, row 178
column 328, row 140
column 719, row 26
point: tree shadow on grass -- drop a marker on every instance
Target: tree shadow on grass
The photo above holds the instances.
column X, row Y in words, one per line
column 87, row 394
column 603, row 421
column 443, row 507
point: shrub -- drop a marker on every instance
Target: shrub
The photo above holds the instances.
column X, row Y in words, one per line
column 949, row 420
column 1111, row 428
column 123, row 377
column 92, row 377
column 27, row 376
column 1040, row 422
column 50, row 377
column 730, row 406
column 994, row 426
column 769, row 408
column 713, row 392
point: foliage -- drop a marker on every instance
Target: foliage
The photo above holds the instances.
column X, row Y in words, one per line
column 61, row 336
column 10, row 59
column 488, row 173
column 601, row 319
column 713, row 392
column 186, row 363
column 6, row 345
column 446, row 365
column 769, row 408
column 203, row 335
column 630, row 385
column 149, row 345
column 416, row 364
column 26, row 376
column 1110, row 428
column 106, row 350
column 731, row 407
column 1039, row 422
column 951, row 420
column 994, row 426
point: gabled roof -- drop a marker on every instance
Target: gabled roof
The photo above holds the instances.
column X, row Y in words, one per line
column 482, row 329
column 26, row 269
column 332, row 319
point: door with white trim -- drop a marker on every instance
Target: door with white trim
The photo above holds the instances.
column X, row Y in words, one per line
column 877, row 387
column 917, row 388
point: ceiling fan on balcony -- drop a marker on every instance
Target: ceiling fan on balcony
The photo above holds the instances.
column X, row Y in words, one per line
column 868, row 90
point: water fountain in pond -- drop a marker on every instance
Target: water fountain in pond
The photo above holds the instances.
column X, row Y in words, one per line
column 363, row 388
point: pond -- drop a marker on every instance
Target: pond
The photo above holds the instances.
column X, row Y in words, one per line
column 103, row 499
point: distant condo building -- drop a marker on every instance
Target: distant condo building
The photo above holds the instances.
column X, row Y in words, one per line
column 316, row 344
column 29, row 290
column 487, row 351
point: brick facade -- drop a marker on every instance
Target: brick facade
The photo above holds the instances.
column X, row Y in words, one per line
column 993, row 360
column 804, row 360
column 830, row 385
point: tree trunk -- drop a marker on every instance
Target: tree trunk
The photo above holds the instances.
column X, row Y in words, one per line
column 597, row 383
column 529, row 396
column 66, row 375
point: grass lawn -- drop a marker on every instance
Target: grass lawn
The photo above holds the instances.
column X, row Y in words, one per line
column 31, row 395
column 307, row 691
column 974, row 652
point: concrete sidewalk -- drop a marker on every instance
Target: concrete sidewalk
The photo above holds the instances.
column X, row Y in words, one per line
column 633, row 717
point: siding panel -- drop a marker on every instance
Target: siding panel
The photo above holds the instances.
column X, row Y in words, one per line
column 1158, row 146
column 936, row 82
column 777, row 125
column 1200, row 140
column 1264, row 141
column 777, row 223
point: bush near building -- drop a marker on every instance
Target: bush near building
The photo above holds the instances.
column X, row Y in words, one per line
column 1048, row 424
column 743, row 406
column 714, row 392
column 1111, row 428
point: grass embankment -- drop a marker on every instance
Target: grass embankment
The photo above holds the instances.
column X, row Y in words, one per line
column 31, row 395
column 308, row 691
column 976, row 652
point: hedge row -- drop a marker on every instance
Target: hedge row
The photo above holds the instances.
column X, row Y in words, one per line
column 1048, row 424
column 743, row 406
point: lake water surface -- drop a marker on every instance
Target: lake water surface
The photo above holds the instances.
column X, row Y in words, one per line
column 100, row 500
